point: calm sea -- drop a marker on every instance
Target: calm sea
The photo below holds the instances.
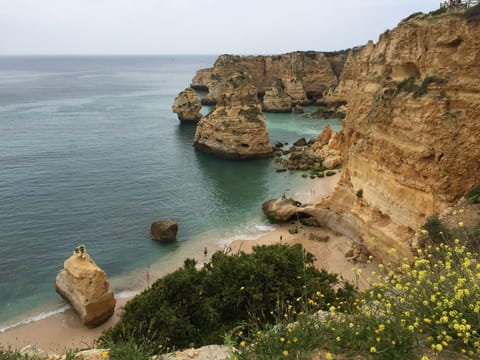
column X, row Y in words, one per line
column 90, row 153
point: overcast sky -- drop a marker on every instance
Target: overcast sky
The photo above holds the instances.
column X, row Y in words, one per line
column 196, row 26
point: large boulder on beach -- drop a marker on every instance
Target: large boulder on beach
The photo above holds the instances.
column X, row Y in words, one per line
column 187, row 106
column 85, row 286
column 282, row 209
column 165, row 230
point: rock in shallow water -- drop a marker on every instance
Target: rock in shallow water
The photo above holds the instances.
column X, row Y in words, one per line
column 85, row 286
column 164, row 230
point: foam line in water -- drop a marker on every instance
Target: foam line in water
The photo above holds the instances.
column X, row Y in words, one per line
column 37, row 317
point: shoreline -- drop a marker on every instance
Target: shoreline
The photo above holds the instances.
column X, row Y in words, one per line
column 63, row 330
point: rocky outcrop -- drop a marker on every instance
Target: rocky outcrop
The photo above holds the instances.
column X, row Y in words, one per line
column 276, row 100
column 187, row 106
column 329, row 146
column 85, row 286
column 164, row 230
column 325, row 153
column 305, row 76
column 236, row 128
column 34, row 352
column 411, row 129
column 210, row 352
column 282, row 209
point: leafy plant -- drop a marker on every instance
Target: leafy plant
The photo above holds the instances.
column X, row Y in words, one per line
column 9, row 354
column 435, row 229
column 423, row 88
column 473, row 195
column 407, row 85
column 193, row 307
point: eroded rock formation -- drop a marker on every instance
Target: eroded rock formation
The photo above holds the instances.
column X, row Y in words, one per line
column 329, row 146
column 305, row 76
column 187, row 106
column 236, row 128
column 276, row 100
column 282, row 209
column 85, row 286
column 411, row 129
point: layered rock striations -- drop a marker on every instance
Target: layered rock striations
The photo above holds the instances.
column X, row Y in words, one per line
column 85, row 286
column 411, row 130
column 276, row 99
column 236, row 128
column 187, row 106
column 305, row 76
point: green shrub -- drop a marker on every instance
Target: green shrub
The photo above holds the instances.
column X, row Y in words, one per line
column 127, row 350
column 431, row 306
column 193, row 307
column 439, row 11
column 423, row 88
column 407, row 85
column 435, row 229
column 293, row 230
column 473, row 195
column 9, row 354
column 414, row 15
column 472, row 13
column 330, row 173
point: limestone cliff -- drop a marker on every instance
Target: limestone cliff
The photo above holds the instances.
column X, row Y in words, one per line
column 236, row 128
column 411, row 129
column 276, row 99
column 305, row 75
column 85, row 286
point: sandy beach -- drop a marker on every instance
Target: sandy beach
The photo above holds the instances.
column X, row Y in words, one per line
column 63, row 331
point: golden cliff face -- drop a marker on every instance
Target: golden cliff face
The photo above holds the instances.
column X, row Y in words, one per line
column 412, row 128
column 303, row 75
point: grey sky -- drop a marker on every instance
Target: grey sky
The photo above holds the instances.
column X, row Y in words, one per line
column 196, row 26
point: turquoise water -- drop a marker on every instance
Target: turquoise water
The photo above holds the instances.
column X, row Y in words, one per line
column 90, row 153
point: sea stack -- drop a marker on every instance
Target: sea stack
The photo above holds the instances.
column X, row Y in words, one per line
column 236, row 128
column 85, row 286
column 187, row 106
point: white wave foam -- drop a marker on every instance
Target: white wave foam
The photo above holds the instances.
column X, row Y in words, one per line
column 37, row 317
column 264, row 227
column 127, row 294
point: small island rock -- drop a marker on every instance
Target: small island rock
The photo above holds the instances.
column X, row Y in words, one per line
column 164, row 230
column 85, row 286
column 187, row 106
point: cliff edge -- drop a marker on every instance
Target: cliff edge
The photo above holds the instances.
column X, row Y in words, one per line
column 411, row 129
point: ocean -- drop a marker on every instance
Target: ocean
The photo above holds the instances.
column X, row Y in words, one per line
column 91, row 153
